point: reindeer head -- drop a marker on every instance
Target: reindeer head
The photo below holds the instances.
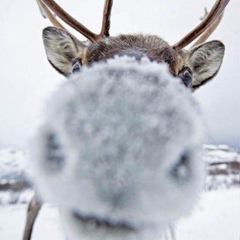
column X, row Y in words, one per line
column 195, row 66
column 117, row 151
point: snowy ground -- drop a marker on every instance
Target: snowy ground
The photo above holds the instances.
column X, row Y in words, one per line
column 217, row 217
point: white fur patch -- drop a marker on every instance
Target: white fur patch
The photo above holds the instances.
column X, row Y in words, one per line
column 110, row 148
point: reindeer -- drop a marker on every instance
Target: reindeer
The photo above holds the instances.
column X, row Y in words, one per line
column 195, row 66
column 68, row 56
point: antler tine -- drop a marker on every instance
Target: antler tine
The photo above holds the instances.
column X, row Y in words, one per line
column 216, row 11
column 70, row 20
column 41, row 9
column 47, row 13
column 106, row 19
column 208, row 32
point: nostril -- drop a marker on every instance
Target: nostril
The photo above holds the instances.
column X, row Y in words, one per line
column 181, row 169
column 54, row 152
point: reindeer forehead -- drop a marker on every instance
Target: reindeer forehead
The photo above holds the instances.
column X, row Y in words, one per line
column 151, row 46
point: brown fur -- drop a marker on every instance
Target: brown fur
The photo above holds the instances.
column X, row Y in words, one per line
column 150, row 46
column 62, row 49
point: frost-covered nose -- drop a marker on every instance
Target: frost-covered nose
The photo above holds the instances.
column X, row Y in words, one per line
column 119, row 151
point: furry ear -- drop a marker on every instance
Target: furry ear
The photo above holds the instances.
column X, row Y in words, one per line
column 61, row 49
column 205, row 61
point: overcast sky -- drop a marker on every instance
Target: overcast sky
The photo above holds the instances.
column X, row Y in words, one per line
column 27, row 79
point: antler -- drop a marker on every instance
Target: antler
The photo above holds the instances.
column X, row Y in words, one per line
column 77, row 25
column 106, row 18
column 209, row 31
column 47, row 13
column 213, row 15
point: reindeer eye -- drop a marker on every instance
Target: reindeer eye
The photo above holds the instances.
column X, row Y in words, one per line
column 186, row 75
column 76, row 65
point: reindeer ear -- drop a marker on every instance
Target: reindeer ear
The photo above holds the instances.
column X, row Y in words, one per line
column 205, row 61
column 61, row 48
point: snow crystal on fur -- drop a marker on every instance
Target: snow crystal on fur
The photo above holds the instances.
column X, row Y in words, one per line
column 112, row 143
